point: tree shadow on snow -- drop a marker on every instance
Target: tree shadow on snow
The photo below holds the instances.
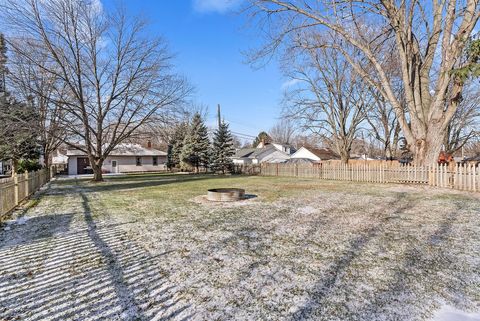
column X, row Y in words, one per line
column 85, row 272
column 424, row 275
column 133, row 182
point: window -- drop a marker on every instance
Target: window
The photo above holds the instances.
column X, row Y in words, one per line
column 155, row 161
column 139, row 161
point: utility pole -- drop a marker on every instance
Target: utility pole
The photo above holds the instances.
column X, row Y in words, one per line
column 3, row 62
column 218, row 115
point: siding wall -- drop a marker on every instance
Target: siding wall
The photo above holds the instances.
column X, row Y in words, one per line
column 126, row 164
column 274, row 156
column 304, row 153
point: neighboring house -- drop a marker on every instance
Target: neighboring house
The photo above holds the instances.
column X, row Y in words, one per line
column 315, row 154
column 475, row 160
column 361, row 157
column 301, row 161
column 60, row 161
column 264, row 153
column 286, row 148
column 59, row 158
column 125, row 158
column 5, row 167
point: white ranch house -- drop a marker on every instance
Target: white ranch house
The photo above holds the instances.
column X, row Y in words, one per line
column 125, row 158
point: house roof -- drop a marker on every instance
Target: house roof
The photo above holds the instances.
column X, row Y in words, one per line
column 473, row 159
column 244, row 152
column 300, row 161
column 256, row 152
column 124, row 150
column 322, row 153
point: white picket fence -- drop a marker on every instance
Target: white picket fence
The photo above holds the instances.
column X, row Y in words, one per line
column 462, row 177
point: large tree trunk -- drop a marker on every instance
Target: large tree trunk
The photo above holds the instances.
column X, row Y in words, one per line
column 427, row 146
column 14, row 166
column 97, row 170
column 46, row 158
column 344, row 157
column 426, row 151
column 46, row 163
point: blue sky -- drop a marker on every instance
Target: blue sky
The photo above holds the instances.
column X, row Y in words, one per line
column 208, row 38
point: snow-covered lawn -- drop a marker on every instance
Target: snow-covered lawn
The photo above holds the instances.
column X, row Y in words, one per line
column 149, row 247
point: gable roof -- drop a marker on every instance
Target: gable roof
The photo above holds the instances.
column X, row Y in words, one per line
column 322, row 153
column 244, row 152
column 124, row 150
column 473, row 159
column 300, row 161
column 257, row 152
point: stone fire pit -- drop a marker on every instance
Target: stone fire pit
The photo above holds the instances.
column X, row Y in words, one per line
column 225, row 194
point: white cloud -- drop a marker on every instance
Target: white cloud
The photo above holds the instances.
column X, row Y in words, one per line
column 290, row 83
column 220, row 6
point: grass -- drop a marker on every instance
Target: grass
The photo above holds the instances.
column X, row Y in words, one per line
column 302, row 249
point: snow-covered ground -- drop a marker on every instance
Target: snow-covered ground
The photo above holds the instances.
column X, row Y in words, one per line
column 448, row 313
column 136, row 253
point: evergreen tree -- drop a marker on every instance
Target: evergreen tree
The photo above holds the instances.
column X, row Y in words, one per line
column 170, row 164
column 195, row 151
column 223, row 149
column 262, row 137
column 176, row 145
column 18, row 137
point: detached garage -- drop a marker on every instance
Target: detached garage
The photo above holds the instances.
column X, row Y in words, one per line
column 125, row 158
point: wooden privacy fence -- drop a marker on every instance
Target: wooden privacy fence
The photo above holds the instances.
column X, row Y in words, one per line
column 14, row 190
column 461, row 177
column 247, row 169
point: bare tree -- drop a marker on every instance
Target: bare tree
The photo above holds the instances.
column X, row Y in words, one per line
column 384, row 126
column 116, row 78
column 330, row 98
column 472, row 147
column 429, row 39
column 37, row 86
column 160, row 129
column 465, row 124
column 283, row 131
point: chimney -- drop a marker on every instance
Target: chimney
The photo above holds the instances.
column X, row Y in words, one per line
column 149, row 144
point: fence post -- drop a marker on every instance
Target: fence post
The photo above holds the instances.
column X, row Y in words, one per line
column 27, row 183
column 474, row 178
column 15, row 188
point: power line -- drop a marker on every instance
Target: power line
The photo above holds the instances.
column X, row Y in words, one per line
column 246, row 135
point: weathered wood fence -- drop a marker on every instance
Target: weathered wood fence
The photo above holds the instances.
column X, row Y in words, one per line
column 14, row 190
column 461, row 177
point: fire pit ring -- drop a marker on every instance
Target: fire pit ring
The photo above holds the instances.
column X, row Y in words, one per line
column 225, row 194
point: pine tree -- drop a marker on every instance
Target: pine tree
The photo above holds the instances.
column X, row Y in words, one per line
column 176, row 145
column 18, row 137
column 223, row 149
column 262, row 137
column 195, row 151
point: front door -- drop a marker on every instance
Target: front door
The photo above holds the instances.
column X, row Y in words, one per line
column 82, row 164
column 114, row 166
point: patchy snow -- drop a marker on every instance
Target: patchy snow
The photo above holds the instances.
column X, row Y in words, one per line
column 22, row 220
column 325, row 255
column 449, row 313
column 203, row 200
